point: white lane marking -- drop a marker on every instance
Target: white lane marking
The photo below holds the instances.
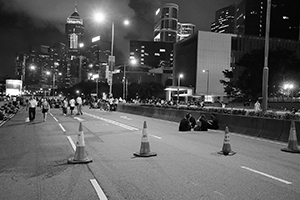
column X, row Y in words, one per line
column 125, row 117
column 258, row 139
column 72, row 143
column 114, row 122
column 55, row 119
column 62, row 128
column 3, row 122
column 79, row 119
column 267, row 175
column 157, row 137
column 98, row 189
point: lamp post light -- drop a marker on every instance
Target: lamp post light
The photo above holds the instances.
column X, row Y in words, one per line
column 180, row 76
column 288, row 87
column 53, row 79
column 96, row 77
column 132, row 61
column 207, row 81
column 111, row 59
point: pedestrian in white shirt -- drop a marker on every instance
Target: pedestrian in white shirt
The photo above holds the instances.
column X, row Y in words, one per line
column 31, row 106
column 72, row 103
column 79, row 105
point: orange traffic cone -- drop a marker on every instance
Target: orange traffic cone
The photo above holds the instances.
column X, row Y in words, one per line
column 80, row 153
column 292, row 145
column 145, row 146
column 226, row 150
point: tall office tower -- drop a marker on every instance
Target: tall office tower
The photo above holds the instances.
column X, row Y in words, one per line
column 74, row 30
column 152, row 54
column 224, row 20
column 250, row 19
column 166, row 21
column 285, row 16
column 185, row 30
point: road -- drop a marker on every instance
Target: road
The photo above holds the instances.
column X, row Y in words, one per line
column 187, row 165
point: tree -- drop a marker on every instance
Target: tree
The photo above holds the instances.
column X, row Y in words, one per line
column 283, row 66
column 145, row 90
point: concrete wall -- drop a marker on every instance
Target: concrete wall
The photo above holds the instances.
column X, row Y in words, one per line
column 213, row 54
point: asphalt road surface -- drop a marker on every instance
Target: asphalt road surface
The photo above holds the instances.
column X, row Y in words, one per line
column 187, row 166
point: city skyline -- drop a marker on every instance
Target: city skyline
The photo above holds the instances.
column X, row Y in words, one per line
column 31, row 23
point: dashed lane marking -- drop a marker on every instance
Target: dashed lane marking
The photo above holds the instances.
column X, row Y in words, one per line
column 98, row 189
column 267, row 175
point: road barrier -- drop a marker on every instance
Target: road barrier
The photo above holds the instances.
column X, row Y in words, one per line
column 273, row 129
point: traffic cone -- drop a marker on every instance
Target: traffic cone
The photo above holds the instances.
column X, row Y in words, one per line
column 226, row 150
column 292, row 145
column 145, row 146
column 80, row 153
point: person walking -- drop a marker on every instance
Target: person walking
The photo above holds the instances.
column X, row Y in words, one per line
column 31, row 106
column 79, row 105
column 72, row 103
column 45, row 108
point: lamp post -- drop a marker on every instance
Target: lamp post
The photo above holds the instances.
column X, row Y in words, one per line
column 265, row 77
column 178, row 85
column 96, row 76
column 125, row 83
column 111, row 58
column 207, row 81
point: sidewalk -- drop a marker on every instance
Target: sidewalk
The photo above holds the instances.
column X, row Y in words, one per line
column 34, row 162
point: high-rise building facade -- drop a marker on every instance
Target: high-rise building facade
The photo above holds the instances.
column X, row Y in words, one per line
column 74, row 29
column 152, row 54
column 185, row 30
column 166, row 21
column 250, row 19
column 224, row 20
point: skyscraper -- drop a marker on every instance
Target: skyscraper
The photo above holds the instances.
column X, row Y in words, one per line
column 185, row 30
column 166, row 21
column 74, row 30
column 224, row 20
column 250, row 19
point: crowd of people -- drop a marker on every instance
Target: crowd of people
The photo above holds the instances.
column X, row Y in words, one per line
column 189, row 123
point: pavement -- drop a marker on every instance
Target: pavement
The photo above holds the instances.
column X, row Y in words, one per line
column 34, row 161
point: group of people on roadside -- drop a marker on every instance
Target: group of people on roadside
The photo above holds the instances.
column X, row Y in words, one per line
column 189, row 123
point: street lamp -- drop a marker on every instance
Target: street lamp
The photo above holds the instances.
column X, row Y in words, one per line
column 132, row 61
column 53, row 79
column 207, row 83
column 178, row 85
column 111, row 59
column 288, row 87
column 96, row 77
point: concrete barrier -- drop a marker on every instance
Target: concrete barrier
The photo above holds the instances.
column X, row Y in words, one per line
column 260, row 127
column 271, row 129
column 254, row 126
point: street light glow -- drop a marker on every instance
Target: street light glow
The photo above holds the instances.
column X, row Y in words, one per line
column 180, row 75
column 99, row 17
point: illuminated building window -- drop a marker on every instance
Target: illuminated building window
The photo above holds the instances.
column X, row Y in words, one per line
column 156, row 54
column 162, row 50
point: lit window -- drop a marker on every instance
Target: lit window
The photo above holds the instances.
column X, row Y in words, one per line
column 156, row 54
column 162, row 50
column 285, row 17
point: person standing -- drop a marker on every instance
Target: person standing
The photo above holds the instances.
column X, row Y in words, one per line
column 31, row 106
column 45, row 108
column 65, row 106
column 79, row 105
column 257, row 106
column 72, row 103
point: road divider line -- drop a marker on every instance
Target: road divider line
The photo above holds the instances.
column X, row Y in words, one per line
column 98, row 189
column 62, row 128
column 114, row 122
column 157, row 137
column 72, row 143
column 267, row 175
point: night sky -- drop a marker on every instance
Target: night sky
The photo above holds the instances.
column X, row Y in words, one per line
column 25, row 23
